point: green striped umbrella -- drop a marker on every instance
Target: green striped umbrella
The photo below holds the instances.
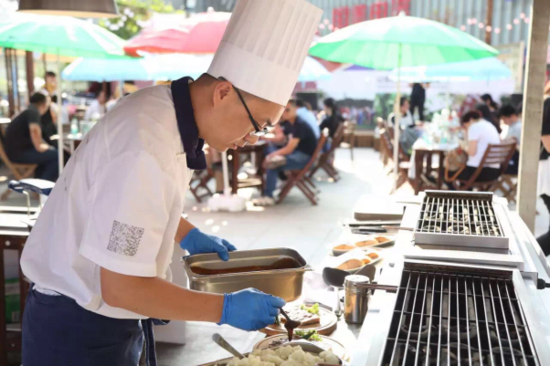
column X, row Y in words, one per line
column 401, row 41
column 59, row 35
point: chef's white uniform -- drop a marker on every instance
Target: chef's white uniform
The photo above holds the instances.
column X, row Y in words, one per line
column 117, row 204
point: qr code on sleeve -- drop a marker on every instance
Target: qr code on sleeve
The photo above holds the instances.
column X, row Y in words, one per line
column 124, row 239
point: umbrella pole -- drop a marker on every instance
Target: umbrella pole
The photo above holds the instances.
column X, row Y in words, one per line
column 397, row 124
column 59, row 117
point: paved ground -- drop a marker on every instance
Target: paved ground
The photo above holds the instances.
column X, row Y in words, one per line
column 295, row 223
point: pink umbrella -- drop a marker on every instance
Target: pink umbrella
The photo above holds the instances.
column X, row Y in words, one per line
column 201, row 33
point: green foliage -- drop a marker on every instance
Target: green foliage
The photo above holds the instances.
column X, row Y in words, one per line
column 132, row 14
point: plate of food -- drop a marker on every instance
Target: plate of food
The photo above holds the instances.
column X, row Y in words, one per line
column 363, row 242
column 312, row 336
column 292, row 354
column 353, row 262
column 312, row 317
column 375, row 241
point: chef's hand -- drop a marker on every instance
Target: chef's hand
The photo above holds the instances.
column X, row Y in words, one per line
column 250, row 309
column 196, row 242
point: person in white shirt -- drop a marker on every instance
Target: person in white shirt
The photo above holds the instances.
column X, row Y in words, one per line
column 98, row 108
column 510, row 117
column 479, row 134
column 99, row 254
column 406, row 116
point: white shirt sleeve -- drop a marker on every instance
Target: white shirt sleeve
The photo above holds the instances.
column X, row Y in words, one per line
column 130, row 205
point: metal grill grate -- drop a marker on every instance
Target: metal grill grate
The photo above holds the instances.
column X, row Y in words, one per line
column 449, row 319
column 455, row 215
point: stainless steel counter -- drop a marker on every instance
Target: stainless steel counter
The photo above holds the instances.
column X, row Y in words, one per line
column 369, row 347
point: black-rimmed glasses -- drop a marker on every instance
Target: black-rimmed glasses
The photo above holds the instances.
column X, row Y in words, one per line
column 259, row 132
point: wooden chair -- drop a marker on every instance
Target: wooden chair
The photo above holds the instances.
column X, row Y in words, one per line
column 298, row 178
column 200, row 181
column 326, row 158
column 495, row 154
column 508, row 185
column 348, row 141
column 19, row 171
column 404, row 165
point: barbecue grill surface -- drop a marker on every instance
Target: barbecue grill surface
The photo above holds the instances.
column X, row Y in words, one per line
column 449, row 316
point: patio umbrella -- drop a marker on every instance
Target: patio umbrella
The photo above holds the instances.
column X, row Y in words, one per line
column 201, row 33
column 396, row 42
column 59, row 35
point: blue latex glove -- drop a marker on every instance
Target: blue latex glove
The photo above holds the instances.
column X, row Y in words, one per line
column 250, row 309
column 197, row 242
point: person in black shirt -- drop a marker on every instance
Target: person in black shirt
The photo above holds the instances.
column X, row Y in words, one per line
column 24, row 143
column 544, row 168
column 298, row 151
column 418, row 98
column 333, row 117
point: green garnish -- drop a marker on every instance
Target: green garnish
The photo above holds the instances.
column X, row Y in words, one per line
column 311, row 335
column 312, row 310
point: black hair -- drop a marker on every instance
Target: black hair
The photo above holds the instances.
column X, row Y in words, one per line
column 402, row 101
column 331, row 104
column 38, row 98
column 519, row 109
column 488, row 98
column 51, row 73
column 293, row 102
column 467, row 117
column 300, row 103
column 507, row 111
column 485, row 112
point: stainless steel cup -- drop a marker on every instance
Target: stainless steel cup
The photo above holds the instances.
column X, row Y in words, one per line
column 356, row 300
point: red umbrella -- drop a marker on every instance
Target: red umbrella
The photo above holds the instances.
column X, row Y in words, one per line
column 201, row 33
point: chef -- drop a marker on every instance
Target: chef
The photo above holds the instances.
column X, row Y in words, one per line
column 99, row 254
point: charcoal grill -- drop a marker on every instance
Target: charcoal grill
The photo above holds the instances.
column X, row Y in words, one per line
column 461, row 219
column 458, row 316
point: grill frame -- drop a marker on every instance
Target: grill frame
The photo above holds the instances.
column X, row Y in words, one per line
column 480, row 211
column 461, row 349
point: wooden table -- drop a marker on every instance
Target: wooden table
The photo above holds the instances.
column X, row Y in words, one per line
column 253, row 181
column 421, row 151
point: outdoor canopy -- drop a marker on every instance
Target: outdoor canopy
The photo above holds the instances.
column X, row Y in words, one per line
column 490, row 68
column 163, row 67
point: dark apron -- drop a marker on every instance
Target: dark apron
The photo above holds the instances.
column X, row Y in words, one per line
column 59, row 332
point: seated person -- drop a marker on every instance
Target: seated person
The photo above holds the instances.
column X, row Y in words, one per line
column 406, row 116
column 305, row 114
column 24, row 143
column 479, row 133
column 333, row 117
column 98, row 108
column 298, row 150
column 510, row 117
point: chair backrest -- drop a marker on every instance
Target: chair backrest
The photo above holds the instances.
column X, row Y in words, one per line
column 495, row 154
column 337, row 139
column 320, row 144
column 500, row 154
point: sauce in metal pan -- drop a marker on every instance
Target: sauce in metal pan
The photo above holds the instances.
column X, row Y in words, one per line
column 283, row 263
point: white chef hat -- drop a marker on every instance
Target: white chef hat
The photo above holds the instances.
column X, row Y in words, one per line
column 264, row 46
